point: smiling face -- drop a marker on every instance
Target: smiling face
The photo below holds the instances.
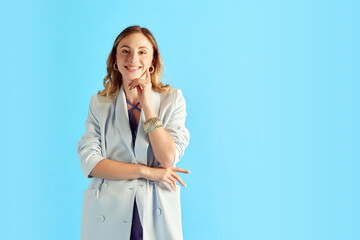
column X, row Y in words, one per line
column 134, row 55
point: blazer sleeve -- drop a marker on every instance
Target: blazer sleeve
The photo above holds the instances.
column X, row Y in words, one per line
column 176, row 126
column 89, row 146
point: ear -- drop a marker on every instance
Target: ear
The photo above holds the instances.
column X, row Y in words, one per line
column 153, row 61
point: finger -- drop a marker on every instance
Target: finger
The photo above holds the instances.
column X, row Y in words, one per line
column 144, row 73
column 179, row 179
column 132, row 87
column 181, row 170
column 132, row 84
column 148, row 76
column 173, row 181
column 135, row 83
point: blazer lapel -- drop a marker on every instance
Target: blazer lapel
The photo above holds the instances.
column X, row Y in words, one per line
column 122, row 120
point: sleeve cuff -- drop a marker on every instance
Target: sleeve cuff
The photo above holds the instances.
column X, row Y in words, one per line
column 91, row 163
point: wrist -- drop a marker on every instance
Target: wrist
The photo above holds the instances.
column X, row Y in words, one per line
column 143, row 171
column 147, row 107
column 148, row 112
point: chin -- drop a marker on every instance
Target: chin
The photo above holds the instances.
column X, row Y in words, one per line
column 131, row 76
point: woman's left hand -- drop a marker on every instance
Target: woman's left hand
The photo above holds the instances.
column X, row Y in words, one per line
column 143, row 87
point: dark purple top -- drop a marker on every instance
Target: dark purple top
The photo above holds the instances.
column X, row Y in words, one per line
column 136, row 228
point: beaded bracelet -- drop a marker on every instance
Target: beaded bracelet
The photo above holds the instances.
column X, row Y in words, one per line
column 152, row 124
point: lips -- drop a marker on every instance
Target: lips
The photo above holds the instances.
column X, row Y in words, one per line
column 132, row 68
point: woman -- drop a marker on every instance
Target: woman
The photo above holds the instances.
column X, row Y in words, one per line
column 135, row 134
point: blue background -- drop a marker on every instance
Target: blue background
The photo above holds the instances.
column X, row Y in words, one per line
column 272, row 92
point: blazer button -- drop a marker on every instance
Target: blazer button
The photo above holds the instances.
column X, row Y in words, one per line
column 101, row 218
column 158, row 211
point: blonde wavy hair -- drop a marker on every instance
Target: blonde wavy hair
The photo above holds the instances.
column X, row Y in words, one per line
column 113, row 79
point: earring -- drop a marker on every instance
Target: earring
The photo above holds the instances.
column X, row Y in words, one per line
column 153, row 69
column 115, row 67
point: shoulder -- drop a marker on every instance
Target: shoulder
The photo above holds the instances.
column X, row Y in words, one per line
column 173, row 96
column 96, row 99
column 99, row 104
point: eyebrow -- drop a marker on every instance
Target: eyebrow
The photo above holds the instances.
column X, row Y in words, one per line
column 130, row 47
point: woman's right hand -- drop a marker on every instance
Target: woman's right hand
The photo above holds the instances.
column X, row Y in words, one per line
column 168, row 175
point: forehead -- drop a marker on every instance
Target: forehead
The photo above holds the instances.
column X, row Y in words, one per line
column 135, row 40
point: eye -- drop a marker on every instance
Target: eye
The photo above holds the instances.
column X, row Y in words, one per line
column 142, row 52
column 125, row 51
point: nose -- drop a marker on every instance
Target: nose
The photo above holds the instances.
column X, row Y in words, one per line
column 133, row 57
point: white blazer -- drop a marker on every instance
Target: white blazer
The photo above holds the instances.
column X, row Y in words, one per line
column 108, row 204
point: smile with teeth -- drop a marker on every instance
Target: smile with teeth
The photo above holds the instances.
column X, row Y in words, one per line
column 131, row 69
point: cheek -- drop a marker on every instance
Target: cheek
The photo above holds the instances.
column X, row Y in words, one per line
column 148, row 61
column 120, row 58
